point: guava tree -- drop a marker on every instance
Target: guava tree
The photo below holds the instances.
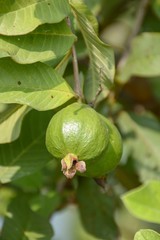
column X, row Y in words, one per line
column 78, row 78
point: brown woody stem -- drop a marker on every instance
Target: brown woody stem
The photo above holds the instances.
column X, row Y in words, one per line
column 77, row 85
column 143, row 6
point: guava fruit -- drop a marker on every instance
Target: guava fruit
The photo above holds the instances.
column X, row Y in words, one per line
column 86, row 142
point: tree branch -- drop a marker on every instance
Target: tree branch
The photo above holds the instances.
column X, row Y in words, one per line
column 77, row 85
column 143, row 6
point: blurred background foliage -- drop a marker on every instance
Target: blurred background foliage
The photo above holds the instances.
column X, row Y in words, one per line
column 80, row 209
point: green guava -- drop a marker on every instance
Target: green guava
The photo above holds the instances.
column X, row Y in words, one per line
column 84, row 141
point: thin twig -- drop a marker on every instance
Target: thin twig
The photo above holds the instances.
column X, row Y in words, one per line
column 77, row 85
column 76, row 73
column 93, row 103
column 99, row 90
column 137, row 25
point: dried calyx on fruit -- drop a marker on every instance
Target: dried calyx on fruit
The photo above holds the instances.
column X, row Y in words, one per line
column 70, row 165
column 86, row 142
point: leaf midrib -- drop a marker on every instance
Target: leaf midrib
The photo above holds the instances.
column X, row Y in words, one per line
column 19, row 9
column 31, row 90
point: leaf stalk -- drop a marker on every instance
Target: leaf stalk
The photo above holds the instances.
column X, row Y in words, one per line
column 77, row 85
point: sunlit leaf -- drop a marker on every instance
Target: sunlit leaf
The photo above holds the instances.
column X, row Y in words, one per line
column 144, row 58
column 100, row 54
column 47, row 42
column 21, row 16
column 36, row 85
column 146, row 234
column 27, row 154
column 144, row 201
column 6, row 195
column 11, row 121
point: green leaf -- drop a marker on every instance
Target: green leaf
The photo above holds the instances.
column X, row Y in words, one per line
column 20, row 16
column 61, row 67
column 144, row 201
column 80, row 5
column 144, row 58
column 100, row 54
column 96, row 210
column 156, row 7
column 95, row 6
column 6, row 195
column 36, row 85
column 47, row 42
column 146, row 234
column 27, row 154
column 11, row 121
column 30, row 183
column 155, row 87
column 25, row 224
column 46, row 204
column 142, row 138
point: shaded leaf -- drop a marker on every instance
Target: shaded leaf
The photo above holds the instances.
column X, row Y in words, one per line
column 27, row 154
column 151, row 22
column 144, row 58
column 96, row 210
column 95, row 6
column 142, row 138
column 25, row 224
column 144, row 201
column 49, row 41
column 146, row 234
column 45, row 204
column 36, row 85
column 20, row 17
column 30, row 183
column 11, row 121
column 156, row 7
column 100, row 54
column 155, row 87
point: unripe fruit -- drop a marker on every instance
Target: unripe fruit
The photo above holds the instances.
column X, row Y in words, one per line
column 84, row 141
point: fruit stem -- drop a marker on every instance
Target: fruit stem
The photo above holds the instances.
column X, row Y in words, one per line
column 77, row 85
